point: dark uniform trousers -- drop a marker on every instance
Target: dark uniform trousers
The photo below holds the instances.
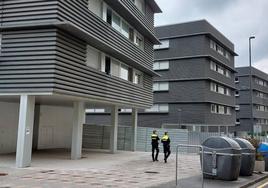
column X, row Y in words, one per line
column 155, row 147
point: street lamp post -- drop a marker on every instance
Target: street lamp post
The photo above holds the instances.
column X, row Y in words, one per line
column 250, row 83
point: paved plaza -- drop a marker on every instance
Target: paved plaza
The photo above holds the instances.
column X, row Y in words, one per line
column 53, row 168
column 124, row 169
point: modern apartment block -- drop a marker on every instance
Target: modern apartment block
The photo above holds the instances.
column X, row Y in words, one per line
column 196, row 88
column 60, row 57
column 252, row 102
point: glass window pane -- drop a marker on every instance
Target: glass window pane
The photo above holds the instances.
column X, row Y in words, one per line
column 163, row 107
column 125, row 29
column 163, row 86
column 124, row 72
column 115, row 68
column 93, row 58
column 164, row 65
column 116, row 22
column 156, row 65
column 155, row 87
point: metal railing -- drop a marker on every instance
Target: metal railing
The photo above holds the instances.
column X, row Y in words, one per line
column 202, row 159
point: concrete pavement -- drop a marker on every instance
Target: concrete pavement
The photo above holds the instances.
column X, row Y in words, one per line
column 53, row 168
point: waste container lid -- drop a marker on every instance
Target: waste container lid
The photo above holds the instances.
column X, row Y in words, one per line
column 220, row 142
column 244, row 144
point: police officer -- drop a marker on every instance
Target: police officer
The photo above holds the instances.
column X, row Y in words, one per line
column 155, row 144
column 166, row 145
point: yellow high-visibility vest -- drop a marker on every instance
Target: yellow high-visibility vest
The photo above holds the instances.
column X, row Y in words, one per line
column 154, row 136
column 165, row 138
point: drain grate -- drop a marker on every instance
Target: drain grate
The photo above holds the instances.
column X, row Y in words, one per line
column 3, row 174
column 151, row 172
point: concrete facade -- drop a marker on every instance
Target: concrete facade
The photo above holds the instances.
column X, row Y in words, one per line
column 196, row 56
column 70, row 55
column 257, row 105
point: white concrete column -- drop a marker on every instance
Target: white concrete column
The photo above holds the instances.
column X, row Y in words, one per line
column 206, row 129
column 77, row 132
column 25, row 131
column 219, row 129
column 134, row 129
column 227, row 130
column 114, row 129
column 194, row 128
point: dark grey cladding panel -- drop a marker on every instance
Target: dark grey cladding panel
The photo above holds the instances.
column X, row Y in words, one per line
column 183, row 47
column 145, row 19
column 245, row 71
column 190, row 92
column 259, row 114
column 244, row 111
column 31, row 12
column 188, row 28
column 244, row 97
column 77, row 79
column 193, row 68
column 47, row 60
column 245, row 125
column 27, row 61
column 73, row 12
column 191, row 47
column 191, row 114
column 244, row 84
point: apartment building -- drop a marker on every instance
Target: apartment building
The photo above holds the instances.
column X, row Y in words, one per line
column 196, row 89
column 59, row 58
column 252, row 102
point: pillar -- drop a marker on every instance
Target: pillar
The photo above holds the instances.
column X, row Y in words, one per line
column 77, row 132
column 134, row 129
column 227, row 130
column 114, row 129
column 206, row 129
column 219, row 129
column 25, row 131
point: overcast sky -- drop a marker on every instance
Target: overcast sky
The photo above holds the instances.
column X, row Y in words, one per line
column 236, row 19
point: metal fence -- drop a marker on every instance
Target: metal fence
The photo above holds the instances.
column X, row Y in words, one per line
column 98, row 137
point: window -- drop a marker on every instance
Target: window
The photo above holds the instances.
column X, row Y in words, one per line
column 126, row 110
column 137, row 77
column 161, row 65
column 95, row 110
column 93, row 59
column 219, row 109
column 160, row 86
column 125, row 30
column 237, row 107
column 237, row 122
column 158, row 108
column 95, row 6
column 138, row 40
column 164, row 45
column 215, row 67
column 107, row 65
column 219, row 49
column 220, row 89
column 260, row 82
column 118, row 23
column 261, row 95
column 262, row 108
column 262, row 121
column 140, row 4
column 124, row 72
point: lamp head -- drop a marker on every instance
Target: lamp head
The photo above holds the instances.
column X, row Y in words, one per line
column 252, row 37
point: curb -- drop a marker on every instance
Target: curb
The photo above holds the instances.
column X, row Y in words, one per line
column 255, row 181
